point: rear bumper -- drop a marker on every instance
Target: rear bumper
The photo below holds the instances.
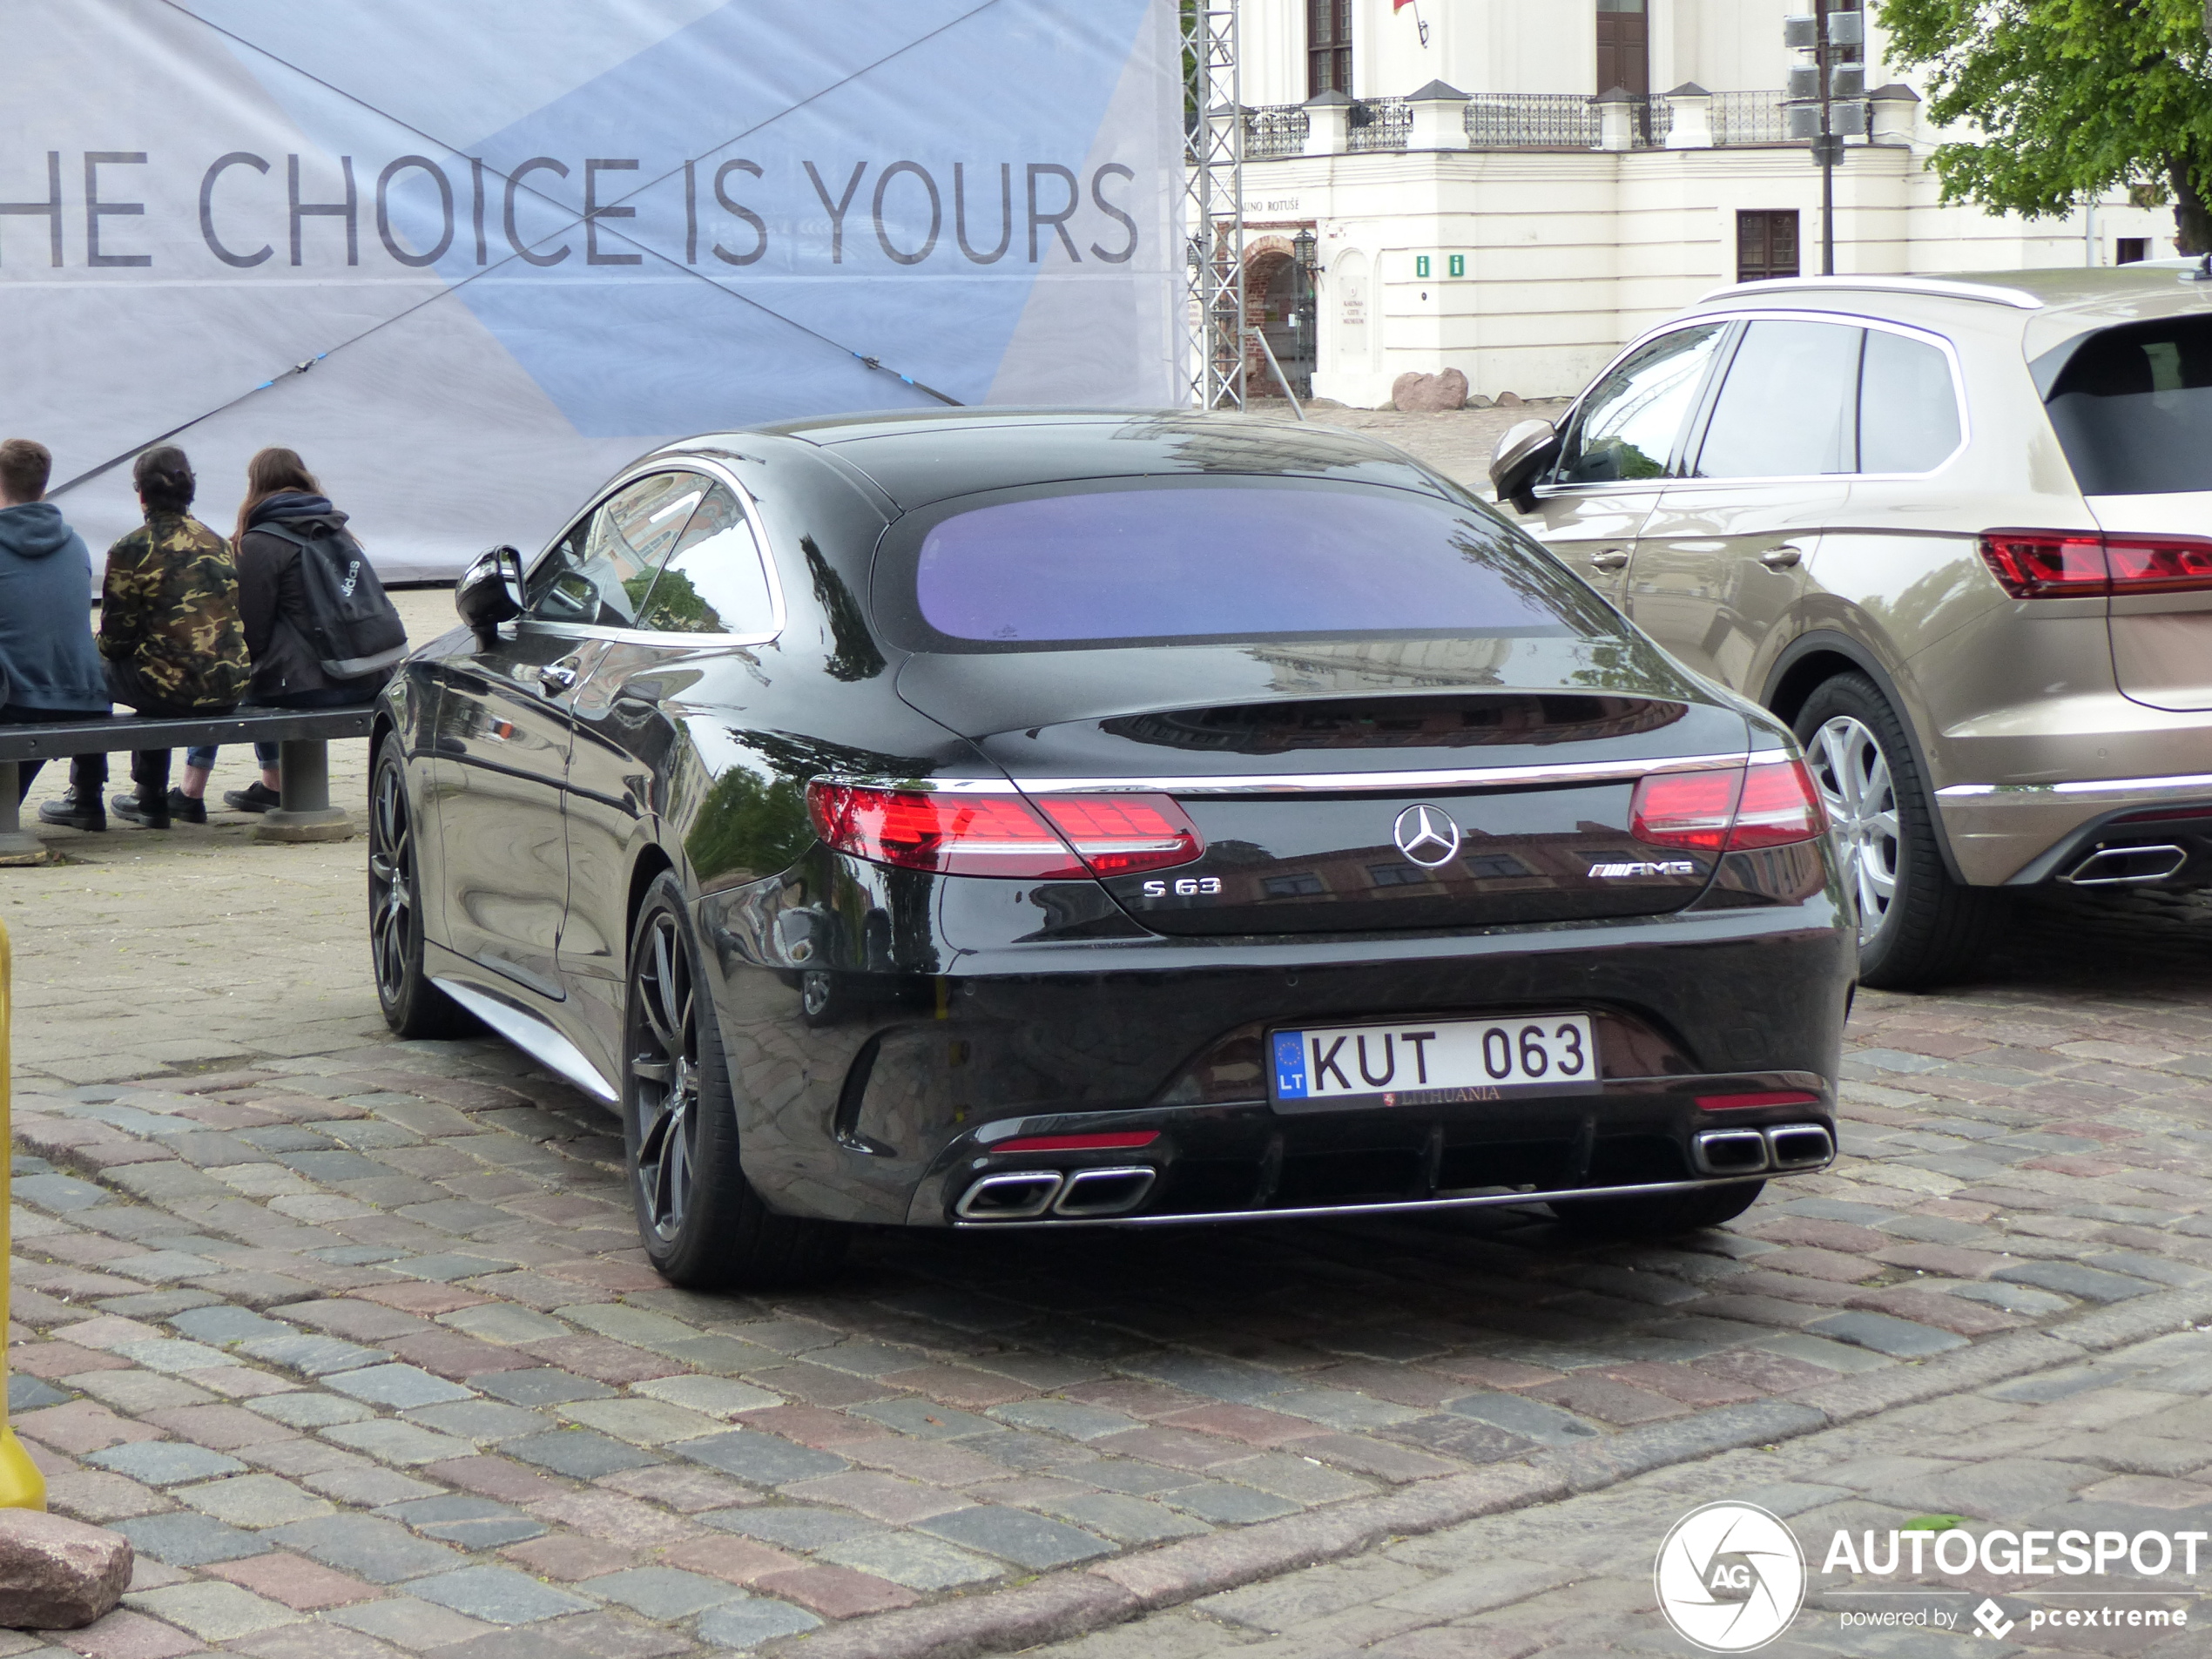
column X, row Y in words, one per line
column 1243, row 1161
column 2022, row 834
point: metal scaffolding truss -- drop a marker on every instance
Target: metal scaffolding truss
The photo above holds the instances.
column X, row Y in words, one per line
column 1213, row 154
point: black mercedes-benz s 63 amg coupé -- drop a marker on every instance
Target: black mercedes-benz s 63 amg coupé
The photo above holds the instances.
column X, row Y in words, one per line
column 987, row 820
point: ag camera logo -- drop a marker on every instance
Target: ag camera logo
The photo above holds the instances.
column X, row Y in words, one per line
column 1729, row 1577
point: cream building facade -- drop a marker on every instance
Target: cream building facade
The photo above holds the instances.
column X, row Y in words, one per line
column 1479, row 198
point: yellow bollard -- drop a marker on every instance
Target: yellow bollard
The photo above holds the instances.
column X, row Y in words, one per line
column 21, row 1484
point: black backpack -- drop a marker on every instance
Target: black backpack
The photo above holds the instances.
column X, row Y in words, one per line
column 353, row 628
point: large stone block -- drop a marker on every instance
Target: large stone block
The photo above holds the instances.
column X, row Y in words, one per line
column 57, row 1574
column 1417, row 393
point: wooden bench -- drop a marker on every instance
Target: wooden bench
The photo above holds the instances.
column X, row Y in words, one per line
column 302, row 737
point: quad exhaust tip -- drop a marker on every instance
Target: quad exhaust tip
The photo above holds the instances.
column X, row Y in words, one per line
column 2119, row 866
column 1025, row 1195
column 1752, row 1151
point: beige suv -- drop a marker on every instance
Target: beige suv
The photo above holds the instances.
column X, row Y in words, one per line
column 1959, row 533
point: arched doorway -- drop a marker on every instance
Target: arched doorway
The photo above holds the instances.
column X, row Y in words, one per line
column 1279, row 303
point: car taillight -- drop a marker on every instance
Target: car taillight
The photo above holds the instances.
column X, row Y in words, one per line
column 2085, row 565
column 1117, row 834
column 954, row 833
column 1728, row 809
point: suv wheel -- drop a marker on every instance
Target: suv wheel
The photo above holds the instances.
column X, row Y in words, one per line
column 413, row 1007
column 703, row 1225
column 1917, row 927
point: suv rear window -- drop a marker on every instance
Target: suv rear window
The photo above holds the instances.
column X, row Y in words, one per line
column 2132, row 408
column 1148, row 560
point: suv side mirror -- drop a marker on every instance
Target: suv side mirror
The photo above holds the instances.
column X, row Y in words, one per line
column 1520, row 459
column 490, row 592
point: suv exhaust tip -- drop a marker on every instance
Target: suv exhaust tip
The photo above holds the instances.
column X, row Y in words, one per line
column 1010, row 1197
column 1800, row 1146
column 1105, row 1192
column 1729, row 1151
column 2117, row 866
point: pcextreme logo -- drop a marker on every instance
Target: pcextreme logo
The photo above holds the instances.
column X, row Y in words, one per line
column 1729, row 1577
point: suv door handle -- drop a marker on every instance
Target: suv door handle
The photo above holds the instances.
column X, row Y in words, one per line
column 556, row 677
column 1613, row 558
column 1781, row 558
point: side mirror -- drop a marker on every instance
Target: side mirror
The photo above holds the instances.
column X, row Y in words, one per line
column 1520, row 459
column 490, row 592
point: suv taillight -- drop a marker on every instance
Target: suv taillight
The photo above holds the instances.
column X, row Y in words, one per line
column 2087, row 564
column 1053, row 838
column 1728, row 809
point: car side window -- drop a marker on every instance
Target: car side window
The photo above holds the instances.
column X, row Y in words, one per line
column 598, row 573
column 1628, row 425
column 1908, row 410
column 714, row 583
column 1789, row 407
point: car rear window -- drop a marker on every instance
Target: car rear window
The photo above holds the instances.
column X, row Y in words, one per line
column 1137, row 562
column 2132, row 408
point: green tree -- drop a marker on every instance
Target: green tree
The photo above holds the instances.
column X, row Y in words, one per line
column 2070, row 97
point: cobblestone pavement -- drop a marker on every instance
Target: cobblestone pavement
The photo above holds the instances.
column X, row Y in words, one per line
column 2112, row 1448
column 352, row 1337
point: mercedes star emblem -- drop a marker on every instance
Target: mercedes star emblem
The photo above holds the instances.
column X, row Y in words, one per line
column 1427, row 835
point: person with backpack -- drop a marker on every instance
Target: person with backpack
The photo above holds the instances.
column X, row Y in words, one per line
column 321, row 630
column 169, row 631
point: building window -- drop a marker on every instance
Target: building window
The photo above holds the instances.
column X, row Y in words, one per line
column 2130, row 250
column 1328, row 47
column 1623, row 49
column 1302, row 885
column 1766, row 243
column 1398, row 875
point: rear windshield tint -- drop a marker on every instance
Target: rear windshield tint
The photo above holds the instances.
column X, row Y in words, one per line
column 1139, row 561
column 2132, row 408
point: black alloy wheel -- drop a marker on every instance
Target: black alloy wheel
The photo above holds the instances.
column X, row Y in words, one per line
column 1657, row 1214
column 1917, row 927
column 413, row 1007
column 703, row 1225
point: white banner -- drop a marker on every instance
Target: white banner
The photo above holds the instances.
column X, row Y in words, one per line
column 516, row 242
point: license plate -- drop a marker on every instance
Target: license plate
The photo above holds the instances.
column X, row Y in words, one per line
column 1429, row 1062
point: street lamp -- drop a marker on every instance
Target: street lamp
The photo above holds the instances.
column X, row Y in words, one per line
column 1301, row 248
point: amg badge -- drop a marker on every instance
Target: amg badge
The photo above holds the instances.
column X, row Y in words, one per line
column 1671, row 867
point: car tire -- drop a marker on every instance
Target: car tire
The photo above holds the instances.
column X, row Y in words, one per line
column 703, row 1224
column 413, row 1007
column 1925, row 928
column 1658, row 1215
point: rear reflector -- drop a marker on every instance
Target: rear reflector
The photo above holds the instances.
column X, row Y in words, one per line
column 1728, row 809
column 2086, row 564
column 1737, row 1102
column 1004, row 835
column 1124, row 1143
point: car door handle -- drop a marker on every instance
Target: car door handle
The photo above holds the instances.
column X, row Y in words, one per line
column 1613, row 558
column 1781, row 558
column 557, row 678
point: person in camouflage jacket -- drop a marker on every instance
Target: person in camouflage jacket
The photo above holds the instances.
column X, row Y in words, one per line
column 170, row 627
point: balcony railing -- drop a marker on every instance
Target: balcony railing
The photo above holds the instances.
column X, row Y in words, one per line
column 1750, row 117
column 1380, row 124
column 1532, row 121
column 1275, row 130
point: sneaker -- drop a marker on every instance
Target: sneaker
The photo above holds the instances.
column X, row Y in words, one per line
column 186, row 809
column 135, row 809
column 70, row 814
column 256, row 797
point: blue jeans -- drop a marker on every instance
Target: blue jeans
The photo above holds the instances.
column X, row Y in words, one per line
column 204, row 758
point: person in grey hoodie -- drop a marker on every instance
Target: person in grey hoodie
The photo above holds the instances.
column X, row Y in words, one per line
column 50, row 668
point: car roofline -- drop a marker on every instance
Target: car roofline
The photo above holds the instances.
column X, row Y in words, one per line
column 1938, row 287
